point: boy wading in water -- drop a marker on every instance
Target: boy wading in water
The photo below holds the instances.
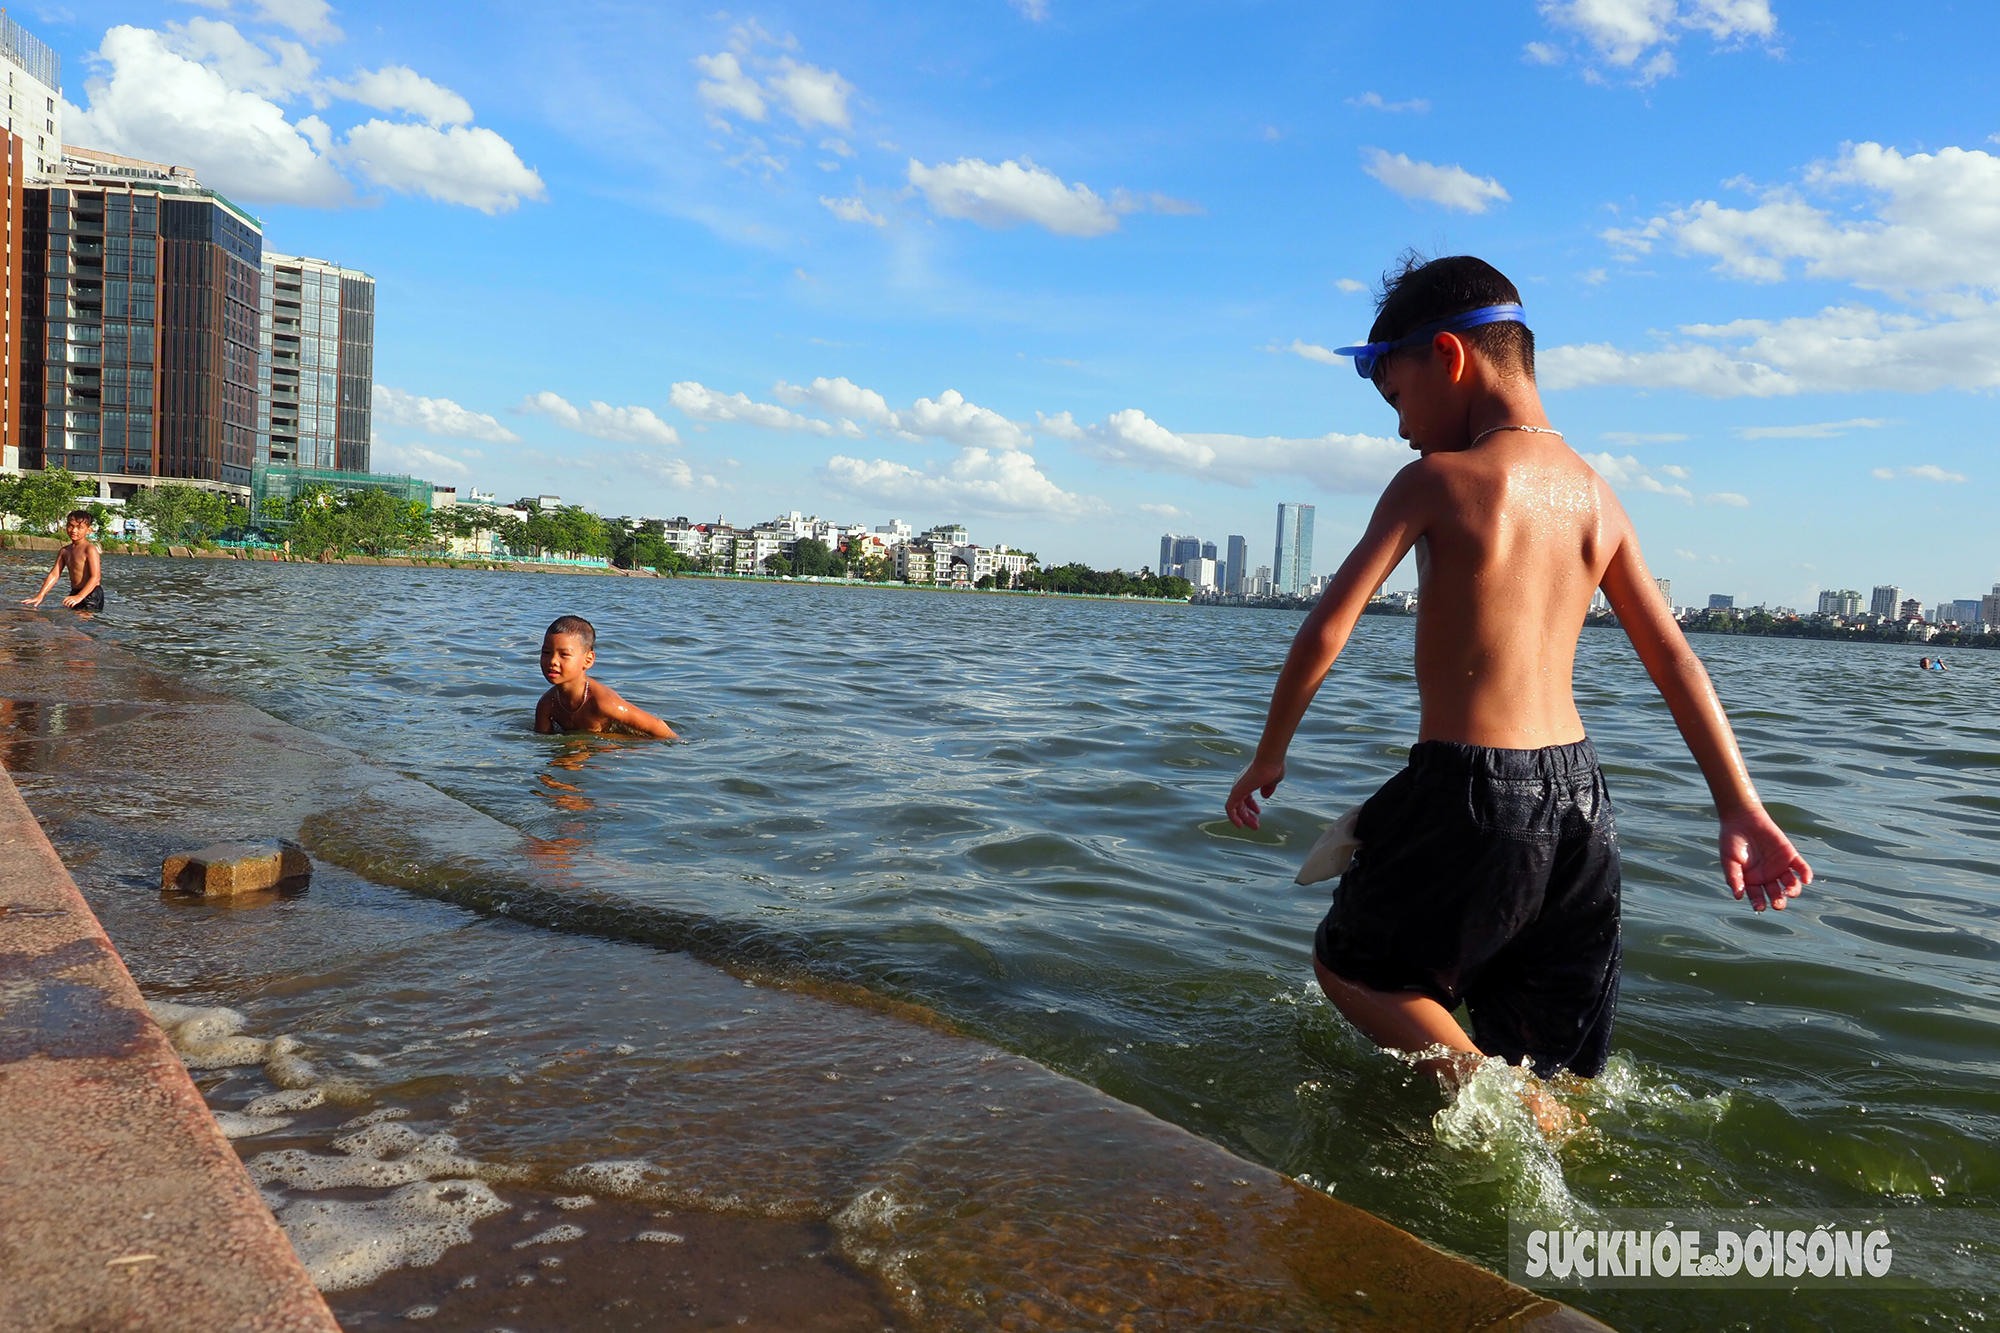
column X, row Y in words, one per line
column 84, row 563
column 1488, row 869
column 574, row 701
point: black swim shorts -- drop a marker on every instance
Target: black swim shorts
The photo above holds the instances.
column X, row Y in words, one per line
column 1490, row 877
column 94, row 602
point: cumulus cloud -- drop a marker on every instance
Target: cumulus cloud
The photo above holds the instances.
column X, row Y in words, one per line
column 1842, row 349
column 1343, row 464
column 150, row 101
column 853, row 210
column 311, row 20
column 951, row 418
column 1935, row 224
column 1628, row 473
column 1314, row 352
column 705, row 404
column 1818, row 430
column 675, row 472
column 437, row 416
column 810, row 95
column 995, row 481
column 1010, row 193
column 632, row 425
column 462, row 164
column 414, row 459
column 1450, row 187
column 1165, row 511
column 727, row 87
column 1730, row 498
column 1349, row 285
column 1922, row 471
column 400, row 88
column 1636, row 37
column 842, row 397
column 204, row 94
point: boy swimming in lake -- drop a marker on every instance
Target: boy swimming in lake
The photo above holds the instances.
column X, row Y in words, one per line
column 575, row 702
column 1488, row 870
column 84, row 563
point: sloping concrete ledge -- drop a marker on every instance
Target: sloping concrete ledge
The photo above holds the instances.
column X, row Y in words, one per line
column 122, row 1206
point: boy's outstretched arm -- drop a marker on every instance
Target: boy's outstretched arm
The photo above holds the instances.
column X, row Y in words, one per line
column 55, row 572
column 1391, row 532
column 1758, row 860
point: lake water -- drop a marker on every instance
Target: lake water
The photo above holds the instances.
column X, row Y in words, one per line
column 1009, row 809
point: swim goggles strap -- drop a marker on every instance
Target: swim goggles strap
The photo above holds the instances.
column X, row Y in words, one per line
column 1367, row 354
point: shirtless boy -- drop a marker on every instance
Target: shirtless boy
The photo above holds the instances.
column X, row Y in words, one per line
column 1488, row 870
column 85, row 565
column 575, row 702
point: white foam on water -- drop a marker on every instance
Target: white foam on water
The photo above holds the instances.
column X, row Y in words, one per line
column 383, row 1156
column 1491, row 1117
column 632, row 1179
column 867, row 1229
column 661, row 1237
column 345, row 1243
column 559, row 1234
column 377, row 1115
column 244, row 1125
column 573, row 1201
column 276, row 1103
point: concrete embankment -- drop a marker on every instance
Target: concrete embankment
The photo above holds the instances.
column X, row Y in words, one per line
column 15, row 541
column 494, row 988
column 122, row 1206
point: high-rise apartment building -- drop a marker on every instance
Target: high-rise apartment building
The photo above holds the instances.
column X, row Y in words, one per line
column 315, row 364
column 1965, row 610
column 1166, row 555
column 138, row 346
column 1238, row 563
column 1886, row 599
column 1666, row 587
column 1721, row 601
column 1291, row 565
column 1846, row 602
column 1186, row 549
column 34, row 96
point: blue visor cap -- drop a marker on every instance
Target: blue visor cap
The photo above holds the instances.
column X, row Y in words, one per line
column 1367, row 354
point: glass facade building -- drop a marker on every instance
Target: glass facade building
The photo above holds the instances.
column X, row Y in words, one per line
column 315, row 365
column 1291, row 564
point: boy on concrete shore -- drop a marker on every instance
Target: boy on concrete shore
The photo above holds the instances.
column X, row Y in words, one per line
column 574, row 701
column 1488, row 869
column 84, row 563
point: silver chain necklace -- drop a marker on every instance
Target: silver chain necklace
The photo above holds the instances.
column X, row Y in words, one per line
column 1532, row 430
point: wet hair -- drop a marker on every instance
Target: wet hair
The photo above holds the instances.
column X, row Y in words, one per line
column 83, row 514
column 576, row 625
column 1418, row 291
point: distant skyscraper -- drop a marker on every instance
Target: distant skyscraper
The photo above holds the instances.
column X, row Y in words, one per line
column 1965, row 610
column 1166, row 554
column 1989, row 609
column 1666, row 587
column 1208, row 551
column 1291, row 564
column 1238, row 563
column 1186, row 549
column 1885, row 601
column 1721, row 601
column 316, row 364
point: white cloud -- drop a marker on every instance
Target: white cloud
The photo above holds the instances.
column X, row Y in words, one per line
column 1374, row 102
column 1730, row 498
column 842, row 397
column 853, row 210
column 413, row 459
column 1035, row 11
column 1843, row 349
column 633, row 425
column 1343, row 464
column 1818, row 430
column 1314, row 352
column 727, row 87
column 1009, row 193
column 1003, row 481
column 310, row 19
column 464, row 164
column 1541, row 53
column 437, row 416
column 158, row 104
column 1628, row 472
column 1923, row 472
column 809, row 94
column 400, row 88
column 705, row 404
column 951, row 418
column 1165, row 511
column 1349, row 285
column 272, row 68
column 1629, row 438
column 1450, row 187
column 1935, row 225
column 1636, row 35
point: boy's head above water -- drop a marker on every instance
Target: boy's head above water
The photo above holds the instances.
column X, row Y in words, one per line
column 1423, row 291
column 79, row 523
column 569, row 648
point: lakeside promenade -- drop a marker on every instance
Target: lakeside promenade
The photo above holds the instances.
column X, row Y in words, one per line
column 1057, row 1201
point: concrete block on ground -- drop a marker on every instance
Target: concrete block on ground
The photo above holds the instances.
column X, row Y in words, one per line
column 181, row 551
column 230, row 868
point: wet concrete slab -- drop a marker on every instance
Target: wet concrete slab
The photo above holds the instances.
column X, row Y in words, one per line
column 828, row 1159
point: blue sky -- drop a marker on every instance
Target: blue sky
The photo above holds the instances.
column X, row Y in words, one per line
column 1065, row 272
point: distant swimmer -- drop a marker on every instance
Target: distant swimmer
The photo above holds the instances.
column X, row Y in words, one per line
column 1488, row 870
column 575, row 702
column 84, row 563
column 1931, row 663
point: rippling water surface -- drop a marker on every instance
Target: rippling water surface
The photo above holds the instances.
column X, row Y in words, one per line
column 1010, row 809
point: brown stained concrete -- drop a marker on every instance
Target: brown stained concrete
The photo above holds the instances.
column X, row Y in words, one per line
column 121, row 1204
column 977, row 1189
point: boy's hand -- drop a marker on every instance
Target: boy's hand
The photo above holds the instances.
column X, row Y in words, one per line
column 72, row 600
column 1759, row 861
column 1261, row 778
column 33, row 601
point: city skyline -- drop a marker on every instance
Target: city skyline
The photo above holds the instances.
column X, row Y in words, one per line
column 905, row 257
